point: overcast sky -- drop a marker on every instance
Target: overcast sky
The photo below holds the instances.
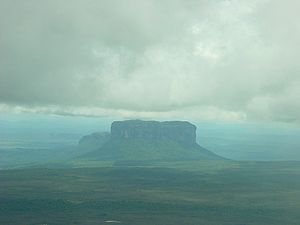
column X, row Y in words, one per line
column 221, row 60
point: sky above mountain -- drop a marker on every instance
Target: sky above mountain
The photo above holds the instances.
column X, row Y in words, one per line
column 223, row 60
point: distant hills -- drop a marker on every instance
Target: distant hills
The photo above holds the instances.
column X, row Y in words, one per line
column 93, row 141
column 137, row 141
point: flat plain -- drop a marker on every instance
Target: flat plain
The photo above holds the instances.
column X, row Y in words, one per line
column 198, row 193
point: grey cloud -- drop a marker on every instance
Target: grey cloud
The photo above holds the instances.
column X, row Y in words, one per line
column 224, row 59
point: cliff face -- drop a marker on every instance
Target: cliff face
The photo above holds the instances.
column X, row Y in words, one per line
column 151, row 141
column 182, row 132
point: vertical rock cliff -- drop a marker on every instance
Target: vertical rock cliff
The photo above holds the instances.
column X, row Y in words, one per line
column 182, row 132
column 152, row 141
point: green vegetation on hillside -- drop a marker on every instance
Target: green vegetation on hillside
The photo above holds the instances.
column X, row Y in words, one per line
column 141, row 149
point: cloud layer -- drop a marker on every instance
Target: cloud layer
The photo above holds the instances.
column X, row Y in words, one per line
column 217, row 60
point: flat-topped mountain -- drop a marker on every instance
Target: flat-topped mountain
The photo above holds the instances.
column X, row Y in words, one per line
column 137, row 140
column 182, row 132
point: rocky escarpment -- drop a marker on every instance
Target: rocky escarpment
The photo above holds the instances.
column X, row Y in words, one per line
column 151, row 141
column 93, row 141
column 181, row 132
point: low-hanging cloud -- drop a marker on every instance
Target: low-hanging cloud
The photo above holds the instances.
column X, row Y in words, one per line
column 224, row 59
